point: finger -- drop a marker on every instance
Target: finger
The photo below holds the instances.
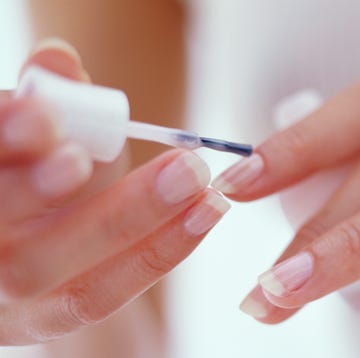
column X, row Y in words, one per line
column 256, row 303
column 345, row 202
column 28, row 128
column 325, row 138
column 28, row 131
column 58, row 56
column 259, row 307
column 25, row 190
column 111, row 222
column 327, row 264
column 96, row 294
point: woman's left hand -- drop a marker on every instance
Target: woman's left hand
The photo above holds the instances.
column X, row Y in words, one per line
column 77, row 243
column 324, row 255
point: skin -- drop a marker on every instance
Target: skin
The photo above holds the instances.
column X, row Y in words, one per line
column 332, row 236
column 48, row 286
column 149, row 65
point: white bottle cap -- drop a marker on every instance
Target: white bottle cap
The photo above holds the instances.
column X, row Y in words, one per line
column 96, row 117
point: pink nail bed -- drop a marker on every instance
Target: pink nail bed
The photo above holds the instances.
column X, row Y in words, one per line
column 289, row 276
column 240, row 175
column 256, row 305
column 182, row 178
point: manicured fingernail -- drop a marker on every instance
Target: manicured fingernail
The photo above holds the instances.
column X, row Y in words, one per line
column 256, row 304
column 289, row 276
column 206, row 214
column 253, row 308
column 241, row 174
column 29, row 128
column 182, row 178
column 63, row 171
column 56, row 43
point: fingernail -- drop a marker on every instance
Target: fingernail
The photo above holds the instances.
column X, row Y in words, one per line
column 56, row 43
column 28, row 127
column 63, row 171
column 206, row 214
column 241, row 174
column 256, row 305
column 184, row 177
column 289, row 276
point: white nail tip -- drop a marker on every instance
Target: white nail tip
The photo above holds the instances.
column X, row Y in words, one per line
column 224, row 186
column 218, row 203
column 206, row 214
column 253, row 308
column 238, row 177
column 57, row 43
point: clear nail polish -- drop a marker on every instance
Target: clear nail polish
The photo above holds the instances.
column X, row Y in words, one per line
column 206, row 214
column 182, row 178
column 240, row 175
column 289, row 276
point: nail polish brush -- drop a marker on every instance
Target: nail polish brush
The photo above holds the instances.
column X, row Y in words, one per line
column 99, row 117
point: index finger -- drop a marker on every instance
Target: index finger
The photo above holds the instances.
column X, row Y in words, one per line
column 323, row 139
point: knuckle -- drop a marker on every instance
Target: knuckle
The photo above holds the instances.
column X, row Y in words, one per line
column 349, row 235
column 76, row 308
column 312, row 230
column 153, row 263
column 296, row 141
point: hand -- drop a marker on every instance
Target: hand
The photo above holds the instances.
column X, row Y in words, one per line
column 69, row 259
column 324, row 255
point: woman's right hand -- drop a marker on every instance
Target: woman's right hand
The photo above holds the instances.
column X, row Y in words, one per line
column 67, row 260
column 323, row 256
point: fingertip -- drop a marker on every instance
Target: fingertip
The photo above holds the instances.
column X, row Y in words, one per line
column 63, row 171
column 28, row 129
column 206, row 214
column 235, row 181
column 59, row 44
column 260, row 308
column 256, row 305
column 58, row 56
column 279, row 315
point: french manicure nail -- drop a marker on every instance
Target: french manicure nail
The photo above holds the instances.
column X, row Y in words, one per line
column 206, row 214
column 253, row 308
column 63, row 171
column 241, row 174
column 182, row 178
column 256, row 305
column 289, row 276
column 57, row 43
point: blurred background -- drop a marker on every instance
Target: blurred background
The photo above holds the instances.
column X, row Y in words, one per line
column 205, row 290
